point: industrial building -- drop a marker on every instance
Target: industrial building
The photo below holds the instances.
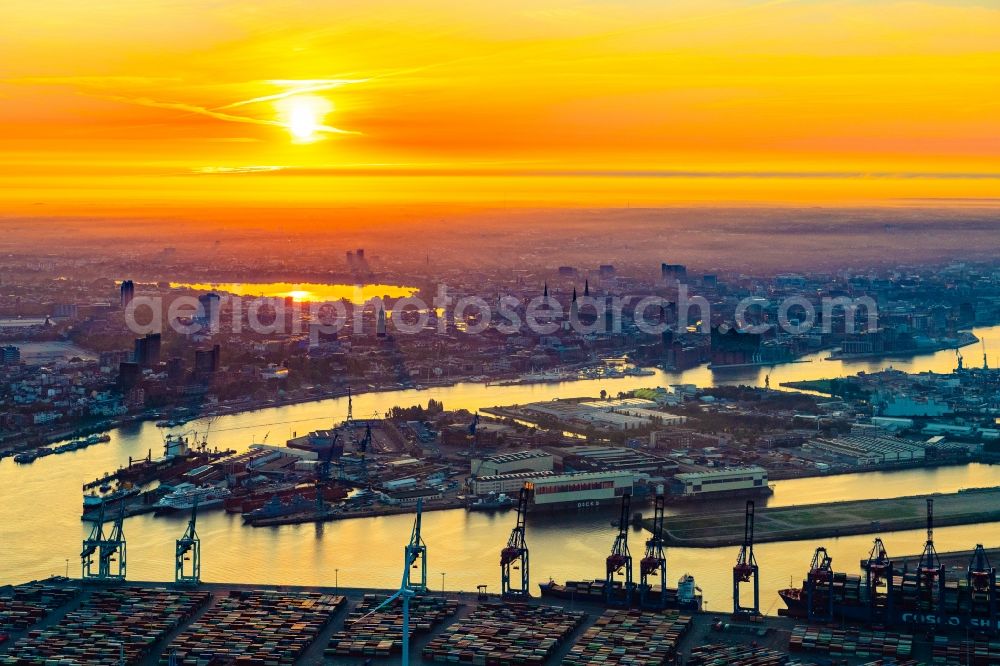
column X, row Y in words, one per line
column 522, row 461
column 505, row 483
column 867, row 449
column 580, row 490
column 610, row 459
column 734, row 481
column 623, row 414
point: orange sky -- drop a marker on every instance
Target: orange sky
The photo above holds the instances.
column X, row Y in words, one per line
column 122, row 105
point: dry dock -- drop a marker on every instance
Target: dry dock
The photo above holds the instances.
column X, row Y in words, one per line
column 817, row 521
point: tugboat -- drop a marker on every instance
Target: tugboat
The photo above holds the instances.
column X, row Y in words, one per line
column 25, row 458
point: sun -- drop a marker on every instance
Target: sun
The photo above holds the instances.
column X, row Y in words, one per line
column 304, row 116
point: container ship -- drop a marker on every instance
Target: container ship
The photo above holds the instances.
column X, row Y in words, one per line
column 685, row 596
column 892, row 595
column 618, row 587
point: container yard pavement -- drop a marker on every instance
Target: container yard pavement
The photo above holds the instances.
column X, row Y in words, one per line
column 812, row 521
column 614, row 631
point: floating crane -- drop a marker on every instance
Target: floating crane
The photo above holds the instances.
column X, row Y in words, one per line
column 746, row 568
column 110, row 549
column 323, row 473
column 473, row 436
column 654, row 563
column 930, row 573
column 878, row 571
column 324, row 467
column 620, row 560
column 819, row 587
column 407, row 590
column 982, row 579
column 188, row 550
column 363, row 449
column 515, row 555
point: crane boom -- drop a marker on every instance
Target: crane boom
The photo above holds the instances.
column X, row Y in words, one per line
column 746, row 568
column 619, row 562
column 514, row 556
column 654, row 562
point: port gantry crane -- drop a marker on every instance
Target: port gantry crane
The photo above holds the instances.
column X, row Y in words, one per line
column 110, row 549
column 878, row 570
column 982, row 579
column 654, row 563
column 415, row 550
column 930, row 572
column 746, row 569
column 819, row 587
column 514, row 556
column 416, row 553
column 620, row 560
column 188, row 550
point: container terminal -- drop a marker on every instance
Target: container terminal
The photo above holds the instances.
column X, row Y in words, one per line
column 103, row 618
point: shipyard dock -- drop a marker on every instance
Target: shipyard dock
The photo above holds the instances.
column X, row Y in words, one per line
column 149, row 622
column 833, row 519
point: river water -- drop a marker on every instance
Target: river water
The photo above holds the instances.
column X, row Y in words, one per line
column 40, row 504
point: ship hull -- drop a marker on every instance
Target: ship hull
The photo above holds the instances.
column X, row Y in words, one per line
column 899, row 618
column 594, row 591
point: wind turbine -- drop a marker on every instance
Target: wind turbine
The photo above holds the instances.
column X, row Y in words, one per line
column 415, row 550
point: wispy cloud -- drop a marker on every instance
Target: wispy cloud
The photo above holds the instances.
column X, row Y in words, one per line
column 505, row 172
column 97, row 86
column 237, row 169
column 294, row 88
column 216, row 114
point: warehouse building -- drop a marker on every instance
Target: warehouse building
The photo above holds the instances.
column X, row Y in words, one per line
column 613, row 458
column 731, row 482
column 505, row 483
column 522, row 461
column 867, row 449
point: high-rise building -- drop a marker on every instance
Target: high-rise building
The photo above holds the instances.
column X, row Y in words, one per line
column 673, row 272
column 206, row 361
column 129, row 375
column 175, row 369
column 380, row 323
column 10, row 355
column 208, row 314
column 127, row 293
column 147, row 350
